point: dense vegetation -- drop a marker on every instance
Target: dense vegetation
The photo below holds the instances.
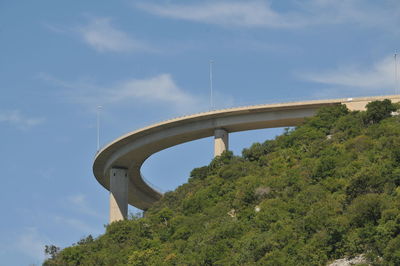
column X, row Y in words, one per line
column 328, row 189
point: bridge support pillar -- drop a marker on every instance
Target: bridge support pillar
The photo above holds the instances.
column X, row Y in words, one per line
column 118, row 194
column 221, row 141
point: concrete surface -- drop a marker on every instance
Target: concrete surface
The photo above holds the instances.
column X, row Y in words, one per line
column 118, row 194
column 131, row 150
column 221, row 141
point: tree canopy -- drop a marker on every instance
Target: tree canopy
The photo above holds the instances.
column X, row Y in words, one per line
column 327, row 189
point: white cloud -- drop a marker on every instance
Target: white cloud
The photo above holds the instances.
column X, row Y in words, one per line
column 15, row 118
column 101, row 35
column 31, row 243
column 160, row 89
column 356, row 80
column 251, row 13
column 47, row 173
column 259, row 13
column 78, row 225
column 380, row 77
column 79, row 202
column 54, row 28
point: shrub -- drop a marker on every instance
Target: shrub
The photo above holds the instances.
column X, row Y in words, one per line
column 379, row 110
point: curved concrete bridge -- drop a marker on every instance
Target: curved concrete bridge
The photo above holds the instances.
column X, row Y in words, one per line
column 117, row 165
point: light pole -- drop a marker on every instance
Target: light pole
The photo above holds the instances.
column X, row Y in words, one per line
column 395, row 74
column 98, row 126
column 211, row 85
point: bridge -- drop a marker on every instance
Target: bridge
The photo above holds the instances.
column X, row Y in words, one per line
column 117, row 165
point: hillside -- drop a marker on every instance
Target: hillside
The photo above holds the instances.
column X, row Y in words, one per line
column 328, row 189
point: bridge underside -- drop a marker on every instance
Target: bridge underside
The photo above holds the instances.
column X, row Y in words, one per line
column 130, row 151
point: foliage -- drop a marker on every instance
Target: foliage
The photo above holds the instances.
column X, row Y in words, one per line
column 326, row 190
column 378, row 110
column 51, row 250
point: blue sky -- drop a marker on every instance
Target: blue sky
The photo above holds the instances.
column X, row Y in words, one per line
column 147, row 61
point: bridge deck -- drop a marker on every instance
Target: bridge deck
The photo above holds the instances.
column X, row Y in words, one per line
column 132, row 149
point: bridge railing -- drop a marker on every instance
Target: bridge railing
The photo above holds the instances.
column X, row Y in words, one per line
column 276, row 100
column 152, row 185
column 242, row 103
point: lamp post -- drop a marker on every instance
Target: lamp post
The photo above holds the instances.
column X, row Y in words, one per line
column 395, row 74
column 211, row 85
column 98, row 126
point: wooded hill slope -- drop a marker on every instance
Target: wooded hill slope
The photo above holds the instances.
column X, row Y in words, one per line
column 328, row 189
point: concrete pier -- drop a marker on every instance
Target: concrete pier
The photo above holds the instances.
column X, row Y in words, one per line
column 131, row 150
column 118, row 194
column 221, row 141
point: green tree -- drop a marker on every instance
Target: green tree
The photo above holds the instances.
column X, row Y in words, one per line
column 379, row 110
column 327, row 189
column 51, row 250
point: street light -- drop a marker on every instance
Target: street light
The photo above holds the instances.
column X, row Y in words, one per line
column 211, row 85
column 395, row 74
column 98, row 126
